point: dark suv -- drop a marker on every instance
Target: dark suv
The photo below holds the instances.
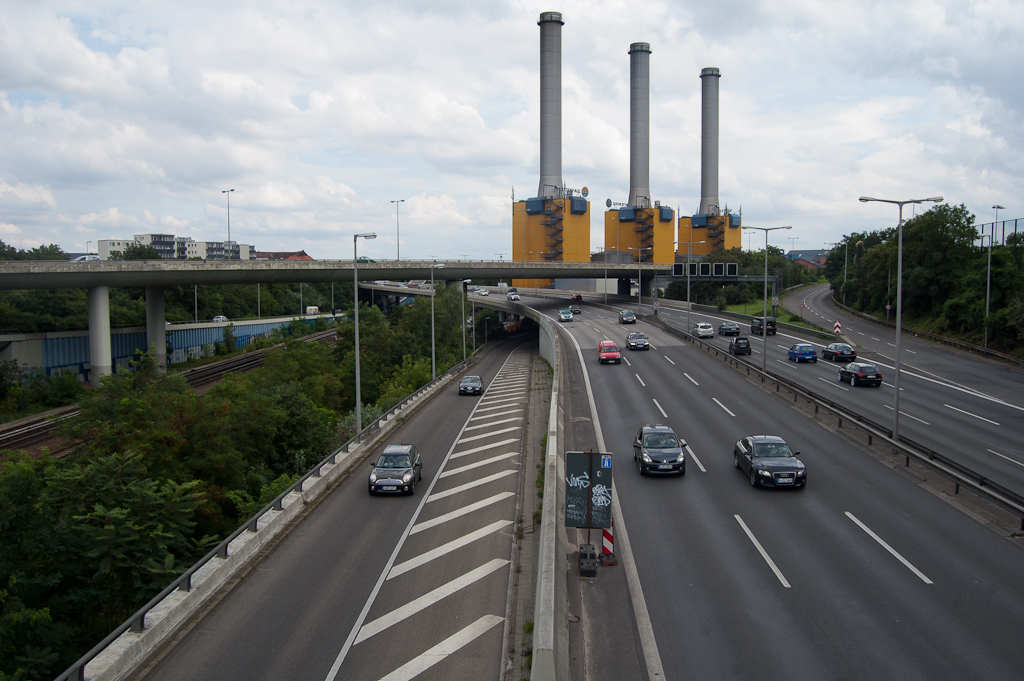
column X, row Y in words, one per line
column 656, row 449
column 759, row 326
column 739, row 346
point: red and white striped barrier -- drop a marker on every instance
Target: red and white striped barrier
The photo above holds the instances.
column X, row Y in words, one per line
column 607, row 546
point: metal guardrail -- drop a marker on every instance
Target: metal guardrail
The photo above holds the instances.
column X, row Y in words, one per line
column 137, row 622
column 953, row 471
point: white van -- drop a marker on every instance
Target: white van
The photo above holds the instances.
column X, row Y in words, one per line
column 312, row 310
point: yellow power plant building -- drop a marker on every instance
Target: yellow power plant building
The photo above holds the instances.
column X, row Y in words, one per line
column 645, row 233
column 552, row 230
column 718, row 232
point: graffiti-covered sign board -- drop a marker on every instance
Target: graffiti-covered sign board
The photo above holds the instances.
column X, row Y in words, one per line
column 588, row 489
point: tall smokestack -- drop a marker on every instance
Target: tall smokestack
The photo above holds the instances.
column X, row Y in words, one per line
column 709, row 141
column 640, row 125
column 550, row 105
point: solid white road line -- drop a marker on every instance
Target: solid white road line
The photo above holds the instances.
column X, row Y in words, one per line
column 494, row 423
column 970, row 414
column 696, row 460
column 482, row 448
column 1005, row 457
column 445, row 549
column 656, row 404
column 478, row 464
column 641, row 380
column 691, row 378
column 472, row 485
column 723, row 407
column 764, row 554
column 438, row 653
column 889, row 548
column 458, row 513
column 428, row 599
column 497, row 432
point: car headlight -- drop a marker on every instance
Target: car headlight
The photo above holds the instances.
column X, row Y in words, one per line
column 647, row 457
column 373, row 477
column 799, row 473
column 682, row 457
column 407, row 478
column 765, row 473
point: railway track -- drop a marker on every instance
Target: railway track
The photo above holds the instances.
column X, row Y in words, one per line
column 33, row 430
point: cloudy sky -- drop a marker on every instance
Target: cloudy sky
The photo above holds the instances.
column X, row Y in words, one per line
column 129, row 117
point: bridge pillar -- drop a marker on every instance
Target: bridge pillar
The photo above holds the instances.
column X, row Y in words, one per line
column 502, row 316
column 623, row 288
column 99, row 334
column 156, row 334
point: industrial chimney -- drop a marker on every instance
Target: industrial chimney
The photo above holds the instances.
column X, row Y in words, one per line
column 550, row 105
column 640, row 125
column 709, row 142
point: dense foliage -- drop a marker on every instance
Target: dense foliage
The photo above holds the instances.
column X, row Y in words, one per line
column 158, row 474
column 945, row 277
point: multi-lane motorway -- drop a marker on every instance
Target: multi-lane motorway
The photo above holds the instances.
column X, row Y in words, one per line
column 861, row 574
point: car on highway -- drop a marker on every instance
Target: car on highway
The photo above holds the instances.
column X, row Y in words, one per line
column 575, row 309
column 768, row 461
column 802, row 352
column 471, row 385
column 220, row 318
column 637, row 341
column 703, row 330
column 657, row 449
column 576, row 298
column 608, row 352
column 728, row 329
column 565, row 315
column 396, row 470
column 512, row 295
column 860, row 373
column 88, row 257
column 839, row 352
column 761, row 327
column 483, row 292
column 627, row 317
column 739, row 345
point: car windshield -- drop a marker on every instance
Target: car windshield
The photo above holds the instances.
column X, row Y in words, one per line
column 660, row 441
column 763, row 450
column 843, row 348
column 471, row 379
column 393, row 461
column 867, row 369
column 742, row 341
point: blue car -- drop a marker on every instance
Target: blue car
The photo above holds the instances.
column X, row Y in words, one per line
column 803, row 352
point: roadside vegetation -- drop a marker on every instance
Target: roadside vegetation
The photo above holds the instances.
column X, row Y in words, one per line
column 156, row 474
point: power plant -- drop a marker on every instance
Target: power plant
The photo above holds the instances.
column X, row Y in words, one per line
column 555, row 225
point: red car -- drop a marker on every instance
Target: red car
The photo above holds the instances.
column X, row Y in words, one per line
column 608, row 352
column 576, row 298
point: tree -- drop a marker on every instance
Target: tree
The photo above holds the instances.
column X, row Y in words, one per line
column 137, row 251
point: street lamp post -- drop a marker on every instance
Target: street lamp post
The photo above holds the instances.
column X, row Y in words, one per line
column 846, row 264
column 988, row 279
column 899, row 304
column 463, row 291
column 398, row 232
column 689, row 255
column 433, row 360
column 355, row 306
column 227, row 193
column 764, row 319
column 639, row 261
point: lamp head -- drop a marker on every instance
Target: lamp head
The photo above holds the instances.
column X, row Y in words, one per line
column 936, row 199
column 998, row 207
column 865, row 199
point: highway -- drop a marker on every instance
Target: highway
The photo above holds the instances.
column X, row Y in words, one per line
column 375, row 587
column 861, row 574
column 963, row 406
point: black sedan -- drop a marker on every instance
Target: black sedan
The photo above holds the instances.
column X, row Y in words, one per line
column 728, row 329
column 767, row 460
column 397, row 470
column 860, row 373
column 657, row 449
column 627, row 317
column 839, row 352
column 471, row 385
column 637, row 341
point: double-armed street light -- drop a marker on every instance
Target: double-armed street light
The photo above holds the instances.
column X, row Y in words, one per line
column 398, row 232
column 764, row 319
column 689, row 255
column 227, row 193
column 433, row 360
column 899, row 303
column 355, row 307
column 639, row 261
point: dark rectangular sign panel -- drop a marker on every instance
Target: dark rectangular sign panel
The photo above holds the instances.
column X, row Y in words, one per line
column 588, row 489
